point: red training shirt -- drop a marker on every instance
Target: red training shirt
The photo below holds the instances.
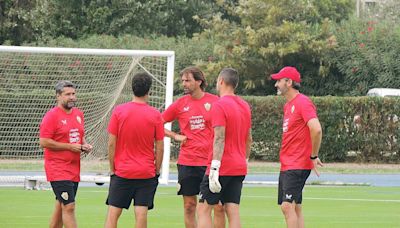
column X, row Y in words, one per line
column 233, row 113
column 194, row 118
column 65, row 128
column 296, row 140
column 136, row 126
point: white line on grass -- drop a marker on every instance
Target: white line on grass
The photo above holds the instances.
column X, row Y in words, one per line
column 333, row 199
column 310, row 198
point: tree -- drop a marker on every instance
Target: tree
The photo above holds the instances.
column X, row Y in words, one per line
column 367, row 55
column 271, row 34
column 30, row 20
column 15, row 18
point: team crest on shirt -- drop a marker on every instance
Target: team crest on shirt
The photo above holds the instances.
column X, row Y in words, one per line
column 64, row 195
column 78, row 118
column 292, row 110
column 207, row 106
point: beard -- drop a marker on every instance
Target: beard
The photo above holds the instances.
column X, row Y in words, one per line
column 68, row 105
column 187, row 91
column 282, row 91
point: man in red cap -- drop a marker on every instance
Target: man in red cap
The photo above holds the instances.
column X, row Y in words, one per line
column 301, row 141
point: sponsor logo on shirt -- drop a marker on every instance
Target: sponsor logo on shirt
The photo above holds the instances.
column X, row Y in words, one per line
column 197, row 123
column 292, row 110
column 207, row 106
column 285, row 126
column 78, row 118
column 64, row 122
column 74, row 135
column 185, row 109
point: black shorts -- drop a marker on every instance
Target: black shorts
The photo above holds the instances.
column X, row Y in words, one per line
column 122, row 191
column 189, row 179
column 291, row 184
column 231, row 190
column 65, row 191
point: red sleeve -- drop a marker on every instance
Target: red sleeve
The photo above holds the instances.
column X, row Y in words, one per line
column 170, row 113
column 113, row 124
column 308, row 111
column 159, row 128
column 218, row 115
column 47, row 126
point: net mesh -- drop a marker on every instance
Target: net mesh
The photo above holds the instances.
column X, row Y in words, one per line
column 27, row 92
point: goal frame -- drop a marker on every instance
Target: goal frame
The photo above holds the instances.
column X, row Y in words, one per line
column 170, row 55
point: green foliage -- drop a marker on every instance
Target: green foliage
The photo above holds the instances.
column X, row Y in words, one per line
column 35, row 20
column 271, row 34
column 373, row 138
column 367, row 55
column 15, row 21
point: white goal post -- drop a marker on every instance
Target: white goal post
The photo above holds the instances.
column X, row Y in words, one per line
column 103, row 78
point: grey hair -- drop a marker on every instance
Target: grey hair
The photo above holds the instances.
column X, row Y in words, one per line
column 230, row 76
column 62, row 84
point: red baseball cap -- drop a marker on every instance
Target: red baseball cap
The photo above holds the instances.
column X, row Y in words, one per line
column 287, row 72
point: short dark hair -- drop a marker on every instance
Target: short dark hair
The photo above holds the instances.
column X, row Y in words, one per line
column 230, row 76
column 62, row 84
column 296, row 85
column 141, row 83
column 198, row 75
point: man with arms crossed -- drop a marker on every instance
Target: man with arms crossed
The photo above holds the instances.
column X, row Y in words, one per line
column 135, row 150
column 227, row 166
column 193, row 114
column 301, row 141
column 62, row 137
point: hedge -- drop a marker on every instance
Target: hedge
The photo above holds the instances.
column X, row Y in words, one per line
column 372, row 138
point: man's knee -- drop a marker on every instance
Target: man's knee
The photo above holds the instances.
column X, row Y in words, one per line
column 69, row 208
column 287, row 208
column 190, row 205
column 219, row 210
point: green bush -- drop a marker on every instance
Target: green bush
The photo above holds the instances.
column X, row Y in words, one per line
column 367, row 55
column 372, row 138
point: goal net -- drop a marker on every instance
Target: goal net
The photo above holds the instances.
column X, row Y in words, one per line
column 103, row 78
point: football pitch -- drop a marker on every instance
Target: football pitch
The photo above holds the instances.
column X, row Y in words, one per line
column 347, row 206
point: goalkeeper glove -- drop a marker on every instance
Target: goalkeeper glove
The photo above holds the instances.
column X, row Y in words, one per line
column 215, row 186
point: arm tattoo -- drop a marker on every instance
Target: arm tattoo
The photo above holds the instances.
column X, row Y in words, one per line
column 219, row 143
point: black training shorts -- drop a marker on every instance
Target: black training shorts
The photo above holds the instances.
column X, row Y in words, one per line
column 65, row 191
column 122, row 191
column 189, row 179
column 231, row 190
column 291, row 184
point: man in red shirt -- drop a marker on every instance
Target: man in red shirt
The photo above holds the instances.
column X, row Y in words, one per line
column 62, row 137
column 135, row 150
column 193, row 114
column 227, row 164
column 301, row 140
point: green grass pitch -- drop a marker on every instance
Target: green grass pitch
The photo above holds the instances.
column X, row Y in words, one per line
column 323, row 207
